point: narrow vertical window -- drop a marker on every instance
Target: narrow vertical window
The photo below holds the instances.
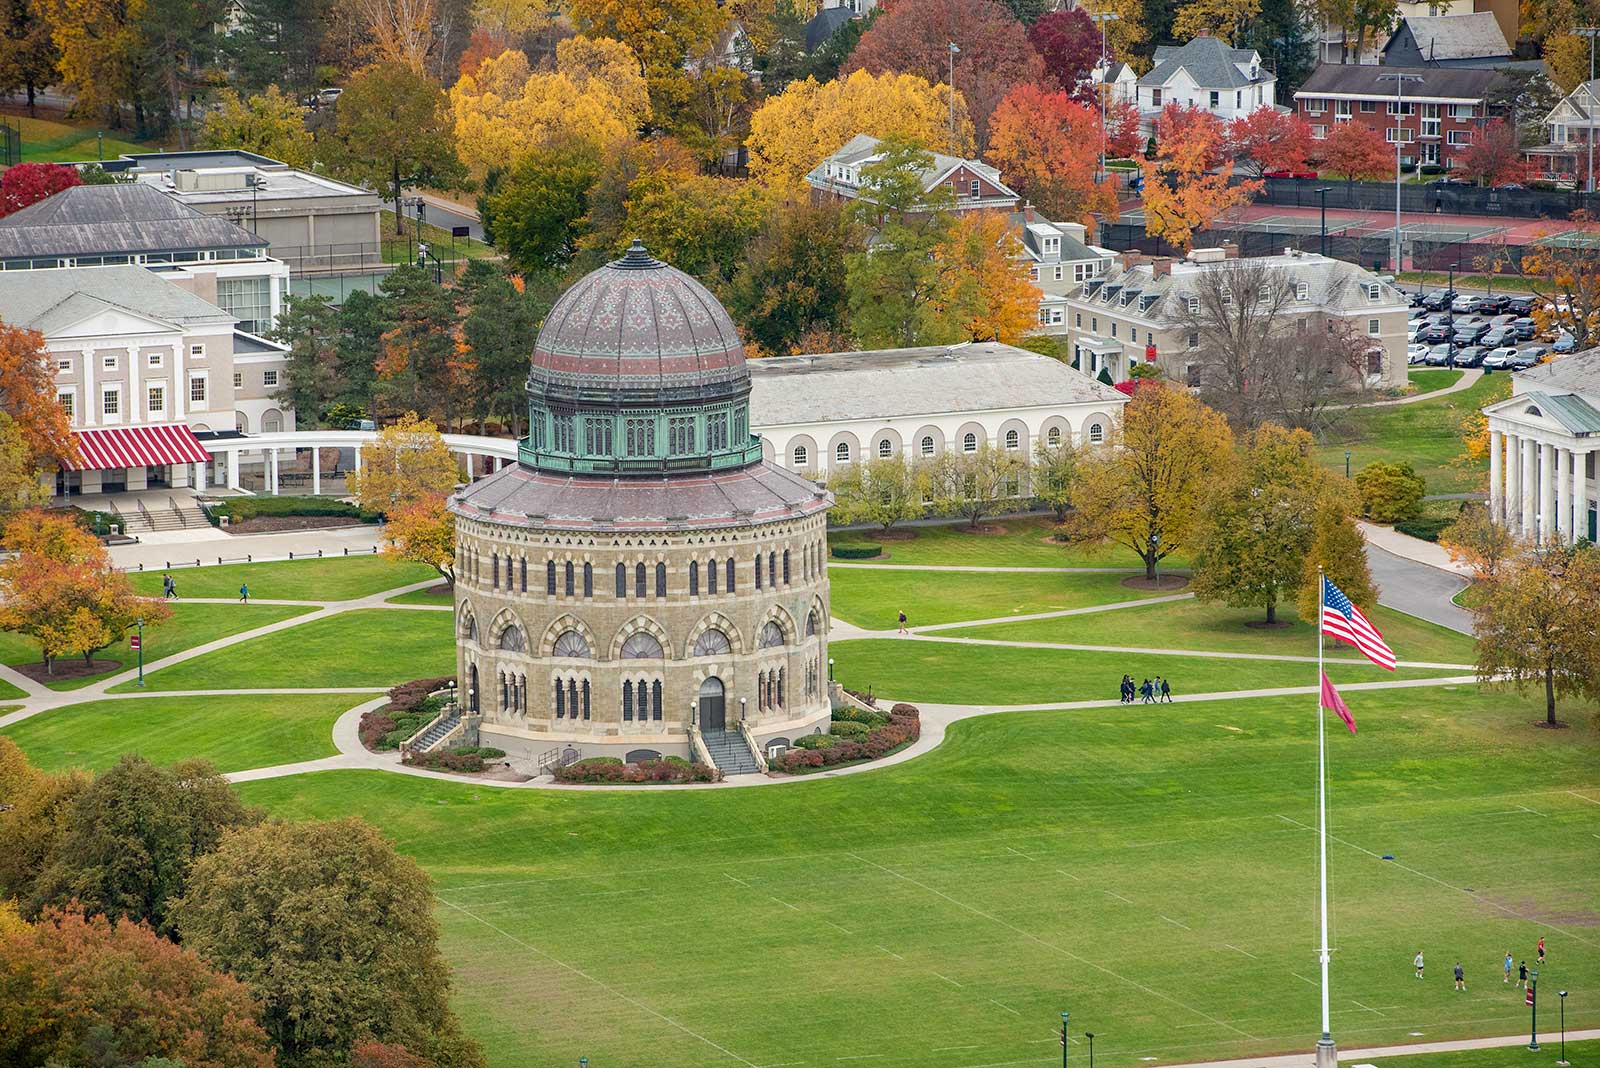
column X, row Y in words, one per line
column 495, row 561
column 588, row 580
column 561, row 700
column 627, row 700
column 730, row 574
column 711, row 577
column 661, row 580
column 639, row 589
column 772, row 570
column 786, row 567
column 622, row 581
column 758, row 571
column 694, row 578
column 550, row 577
column 585, row 698
column 655, row 700
column 571, row 588
column 524, row 574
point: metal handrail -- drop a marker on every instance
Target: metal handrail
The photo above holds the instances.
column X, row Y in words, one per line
column 182, row 519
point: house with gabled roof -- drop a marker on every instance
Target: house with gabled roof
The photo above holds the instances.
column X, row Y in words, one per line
column 1470, row 39
column 1208, row 74
column 976, row 185
column 1572, row 124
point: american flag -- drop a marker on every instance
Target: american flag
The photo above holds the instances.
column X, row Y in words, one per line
column 1343, row 620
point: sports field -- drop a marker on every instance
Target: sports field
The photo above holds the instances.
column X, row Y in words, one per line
column 1149, row 869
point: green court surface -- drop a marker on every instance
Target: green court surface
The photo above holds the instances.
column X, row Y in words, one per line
column 1151, row 873
column 872, row 597
column 371, row 647
column 1218, row 628
column 333, row 578
column 233, row 732
column 190, row 625
column 1021, row 542
column 949, row 673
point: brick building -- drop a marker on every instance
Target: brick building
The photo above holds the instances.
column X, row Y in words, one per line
column 1436, row 120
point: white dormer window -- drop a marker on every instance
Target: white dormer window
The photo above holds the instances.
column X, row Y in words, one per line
column 1193, row 304
column 1052, row 244
column 1227, row 297
column 1302, row 291
column 1374, row 293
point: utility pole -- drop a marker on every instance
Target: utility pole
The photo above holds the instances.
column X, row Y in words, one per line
column 1105, row 73
column 954, row 52
column 1590, row 32
column 1399, row 143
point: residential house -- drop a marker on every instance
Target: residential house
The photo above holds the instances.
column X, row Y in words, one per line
column 821, row 27
column 1132, row 313
column 1338, row 47
column 1460, row 40
column 1207, row 73
column 147, row 368
column 1060, row 260
column 1572, row 124
column 1121, row 80
column 1436, row 119
column 976, row 185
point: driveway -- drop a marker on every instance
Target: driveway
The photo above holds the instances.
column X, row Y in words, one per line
column 1418, row 589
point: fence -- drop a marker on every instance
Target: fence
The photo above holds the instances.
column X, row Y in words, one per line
column 357, row 256
column 1426, row 199
column 173, row 565
column 10, row 145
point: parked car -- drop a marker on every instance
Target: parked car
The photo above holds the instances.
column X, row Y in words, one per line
column 1438, row 355
column 1500, row 335
column 1494, row 305
column 328, row 96
column 1417, row 298
column 1564, row 342
column 1524, row 328
column 1414, row 333
column 1415, row 353
column 1470, row 333
column 1471, row 356
column 1436, row 334
column 1439, row 299
column 1289, row 174
column 1500, row 359
column 1467, row 304
column 1502, row 319
column 1519, row 305
column 1535, row 352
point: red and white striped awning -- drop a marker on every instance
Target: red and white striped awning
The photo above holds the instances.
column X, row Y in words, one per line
column 138, row 446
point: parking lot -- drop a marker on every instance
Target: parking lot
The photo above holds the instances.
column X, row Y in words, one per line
column 1467, row 329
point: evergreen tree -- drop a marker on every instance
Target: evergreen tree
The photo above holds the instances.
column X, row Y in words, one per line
column 1285, row 38
column 309, row 325
column 417, row 368
column 361, row 326
column 498, row 320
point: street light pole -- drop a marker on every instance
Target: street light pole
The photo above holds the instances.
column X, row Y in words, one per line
column 1105, row 72
column 1562, row 1063
column 1533, row 1003
column 1090, row 1036
column 1399, row 114
column 140, row 624
column 1063, row 1040
column 1590, row 32
column 1323, row 193
column 954, row 51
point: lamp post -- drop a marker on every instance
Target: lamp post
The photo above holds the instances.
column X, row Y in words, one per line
column 830, row 669
column 1450, row 317
column 1562, row 994
column 1590, row 32
column 954, row 52
column 1155, row 551
column 1323, row 193
column 138, row 643
column 583, row 1062
column 1063, row 1040
column 1105, row 72
column 1533, row 1004
column 1347, row 463
column 1090, row 1036
column 742, row 702
column 1399, row 110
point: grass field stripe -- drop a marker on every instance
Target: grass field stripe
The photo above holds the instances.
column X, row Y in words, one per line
column 1236, row 949
column 1050, row 945
column 1008, row 1008
column 949, row 980
column 613, row 991
column 1175, row 923
column 1449, row 886
column 1582, row 797
column 741, row 882
column 891, row 952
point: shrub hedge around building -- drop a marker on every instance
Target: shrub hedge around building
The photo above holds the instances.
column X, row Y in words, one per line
column 460, row 758
column 611, row 769
column 900, row 726
column 238, row 509
column 857, row 551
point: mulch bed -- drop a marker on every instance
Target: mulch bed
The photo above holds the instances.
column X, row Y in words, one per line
column 982, row 530
column 892, row 535
column 1166, row 582
column 268, row 524
column 65, row 669
column 441, row 590
column 1261, row 624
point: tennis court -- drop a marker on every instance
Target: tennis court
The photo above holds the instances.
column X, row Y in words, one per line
column 1571, row 239
column 1301, row 224
column 1453, row 233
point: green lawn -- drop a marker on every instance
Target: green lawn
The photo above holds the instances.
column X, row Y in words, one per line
column 424, row 597
column 1426, row 434
column 1430, row 380
column 1154, row 875
column 372, row 647
column 871, row 598
column 403, row 249
column 234, row 733
column 1579, row 1054
column 1025, row 543
column 949, row 673
column 9, row 692
column 1215, row 627
column 333, row 578
column 190, row 625
column 50, row 141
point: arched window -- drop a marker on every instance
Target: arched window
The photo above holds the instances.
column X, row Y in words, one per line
column 771, row 635
column 655, row 700
column 622, row 581
column 512, row 639
column 711, row 577
column 927, row 445
column 550, row 577
column 661, row 580
column 841, row 452
column 570, row 643
column 641, row 645
column 472, row 629
column 588, row 579
column 1013, row 439
column 639, row 589
column 772, row 570
column 585, row 698
column 494, row 560
column 505, row 693
column 712, row 643
column 694, row 578
column 885, row 448
column 561, row 700
column 570, row 576
column 780, row 687
column 729, row 569
column 524, row 574
column 627, row 699
column 758, row 571
column 1097, row 433
column 811, row 625
column 786, row 567
column 969, row 443
column 1054, row 436
column 802, row 456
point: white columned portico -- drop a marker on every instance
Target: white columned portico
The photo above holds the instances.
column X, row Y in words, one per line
column 1530, row 500
column 272, row 471
column 1513, row 503
column 1579, row 527
column 1547, row 491
column 233, row 469
column 1497, row 495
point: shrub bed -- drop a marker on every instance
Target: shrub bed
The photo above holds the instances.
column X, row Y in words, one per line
column 900, row 727
column 857, row 552
column 461, row 758
column 238, row 509
column 611, row 769
column 408, row 710
column 409, row 695
column 1426, row 527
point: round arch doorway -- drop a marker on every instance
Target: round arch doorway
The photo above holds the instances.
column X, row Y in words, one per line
column 713, row 705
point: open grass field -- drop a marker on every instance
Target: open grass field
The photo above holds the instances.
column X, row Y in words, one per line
column 1426, row 434
column 1214, row 627
column 190, row 625
column 1429, row 380
column 1025, row 542
column 1579, row 1054
column 1153, row 873
column 423, row 597
column 52, row 141
column 9, row 692
column 234, row 733
column 333, row 578
column 871, row 597
column 949, row 673
column 372, row 647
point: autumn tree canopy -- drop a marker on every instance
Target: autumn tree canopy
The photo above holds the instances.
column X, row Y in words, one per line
column 1355, row 152
column 28, row 396
column 1069, row 44
column 985, row 292
column 28, row 183
column 269, row 123
column 1046, row 146
column 1565, row 274
column 1269, row 140
column 1495, row 158
column 1187, row 186
column 407, row 462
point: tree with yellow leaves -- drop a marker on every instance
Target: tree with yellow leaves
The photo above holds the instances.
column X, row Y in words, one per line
column 663, row 34
column 984, row 285
column 424, row 532
column 1126, row 32
column 1219, row 18
column 795, row 130
column 269, row 123
column 407, row 462
column 508, row 20
column 1565, row 275
column 503, row 110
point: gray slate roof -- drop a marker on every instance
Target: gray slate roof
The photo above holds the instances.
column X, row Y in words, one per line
column 1578, row 372
column 49, row 301
column 115, row 219
column 1330, row 284
column 1209, row 61
column 865, row 146
column 824, row 24
column 1444, row 37
column 1459, row 83
column 890, row 383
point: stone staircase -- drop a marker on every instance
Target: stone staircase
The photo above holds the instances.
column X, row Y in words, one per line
column 178, row 515
column 730, row 752
column 437, row 731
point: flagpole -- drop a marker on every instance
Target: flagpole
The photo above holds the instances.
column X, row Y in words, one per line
column 1327, row 1053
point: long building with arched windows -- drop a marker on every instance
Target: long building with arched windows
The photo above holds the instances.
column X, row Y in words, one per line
column 640, row 582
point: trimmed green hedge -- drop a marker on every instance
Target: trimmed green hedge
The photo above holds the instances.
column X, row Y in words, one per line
column 1428, row 527
column 238, row 509
column 611, row 769
column 857, row 552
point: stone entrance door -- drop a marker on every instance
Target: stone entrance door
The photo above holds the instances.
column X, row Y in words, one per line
column 713, row 710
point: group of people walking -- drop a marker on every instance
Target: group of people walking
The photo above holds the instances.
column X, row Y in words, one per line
column 1149, row 691
column 1460, row 972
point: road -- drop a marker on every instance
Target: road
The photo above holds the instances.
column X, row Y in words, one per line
column 447, row 214
column 1418, row 590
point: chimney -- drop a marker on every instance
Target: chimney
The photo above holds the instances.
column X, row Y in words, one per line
column 1160, row 266
column 1132, row 258
column 1230, row 250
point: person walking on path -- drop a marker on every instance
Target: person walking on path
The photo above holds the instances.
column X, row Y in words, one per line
column 1127, row 689
column 1461, row 977
column 1507, row 979
column 1418, row 963
column 902, row 622
column 1522, row 973
column 244, row 594
column 169, row 589
column 1541, row 949
column 1147, row 691
column 1166, row 692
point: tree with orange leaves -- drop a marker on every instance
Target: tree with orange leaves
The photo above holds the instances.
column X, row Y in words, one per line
column 424, row 532
column 1494, row 158
column 28, row 396
column 1564, row 271
column 420, row 364
column 1269, row 140
column 1186, row 187
column 406, row 463
column 1039, row 140
column 1354, row 151
column 984, row 292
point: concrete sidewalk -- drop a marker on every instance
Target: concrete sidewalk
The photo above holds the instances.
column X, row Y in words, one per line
column 183, row 548
column 1408, row 548
column 1308, row 1060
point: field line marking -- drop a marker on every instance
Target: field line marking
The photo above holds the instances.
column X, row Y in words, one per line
column 1047, row 945
column 1175, row 923
column 1008, row 1008
column 860, row 1057
column 1236, row 949
column 602, row 984
column 836, row 927
column 891, row 952
column 1119, row 897
column 741, row 882
column 1535, row 811
column 1448, row 886
column 1303, row 979
column 785, row 904
column 1068, row 874
column 947, row 1049
column 1583, row 797
column 949, row 980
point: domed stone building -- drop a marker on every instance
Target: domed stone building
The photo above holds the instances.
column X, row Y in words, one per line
column 641, row 573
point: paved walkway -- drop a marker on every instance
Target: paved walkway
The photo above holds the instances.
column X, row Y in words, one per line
column 183, row 548
column 1308, row 1060
column 1469, row 377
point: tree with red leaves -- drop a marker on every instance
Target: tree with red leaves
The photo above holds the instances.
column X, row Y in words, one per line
column 1182, row 128
column 1070, row 47
column 1494, row 157
column 28, row 183
column 76, row 990
column 1269, row 140
column 914, row 37
column 1354, row 150
column 1123, row 136
column 1047, row 146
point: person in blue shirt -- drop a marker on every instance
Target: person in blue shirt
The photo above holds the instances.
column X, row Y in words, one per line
column 244, row 594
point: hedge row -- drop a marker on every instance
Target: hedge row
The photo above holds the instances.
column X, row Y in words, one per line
column 857, row 552
column 462, row 758
column 902, row 726
column 238, row 509
column 611, row 769
column 1427, row 528
column 408, row 695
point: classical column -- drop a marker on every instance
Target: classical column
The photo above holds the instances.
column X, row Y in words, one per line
column 1497, row 494
column 1530, row 488
column 1561, row 514
column 1547, row 491
column 272, row 471
column 200, row 470
column 316, row 471
column 1513, row 502
column 233, row 469
column 1580, row 497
